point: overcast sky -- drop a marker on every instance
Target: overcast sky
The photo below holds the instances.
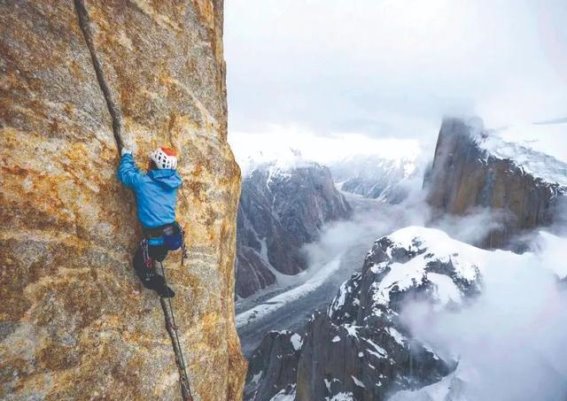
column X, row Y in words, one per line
column 382, row 69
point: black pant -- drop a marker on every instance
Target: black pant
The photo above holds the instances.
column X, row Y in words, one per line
column 149, row 276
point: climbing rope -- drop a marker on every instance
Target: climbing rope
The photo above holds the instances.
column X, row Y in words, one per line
column 171, row 327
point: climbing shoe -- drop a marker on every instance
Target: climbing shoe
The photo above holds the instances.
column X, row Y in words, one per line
column 165, row 292
column 158, row 285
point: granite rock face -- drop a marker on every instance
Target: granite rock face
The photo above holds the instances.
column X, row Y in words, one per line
column 75, row 324
column 282, row 209
column 474, row 169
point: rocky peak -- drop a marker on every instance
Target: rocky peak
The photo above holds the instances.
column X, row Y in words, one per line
column 473, row 168
column 359, row 349
column 282, row 207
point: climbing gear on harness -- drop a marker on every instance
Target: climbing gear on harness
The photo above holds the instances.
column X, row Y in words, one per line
column 184, row 253
column 170, row 236
column 151, row 279
column 148, row 261
column 164, row 158
column 171, row 327
column 173, row 237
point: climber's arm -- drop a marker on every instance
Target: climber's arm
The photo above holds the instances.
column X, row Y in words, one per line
column 128, row 173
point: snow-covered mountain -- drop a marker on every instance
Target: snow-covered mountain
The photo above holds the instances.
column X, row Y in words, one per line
column 283, row 205
column 363, row 348
column 474, row 168
column 375, row 177
column 359, row 347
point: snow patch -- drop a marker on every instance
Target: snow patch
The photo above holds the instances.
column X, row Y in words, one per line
column 352, row 330
column 445, row 291
column 296, row 341
column 378, row 352
column 341, row 397
column 358, row 382
column 536, row 164
column 256, row 378
column 282, row 396
column 396, row 335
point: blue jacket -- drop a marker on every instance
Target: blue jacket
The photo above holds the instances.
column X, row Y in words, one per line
column 156, row 192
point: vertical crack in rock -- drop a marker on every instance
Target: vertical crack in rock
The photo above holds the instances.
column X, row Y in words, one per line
column 179, row 359
column 115, row 114
column 117, row 127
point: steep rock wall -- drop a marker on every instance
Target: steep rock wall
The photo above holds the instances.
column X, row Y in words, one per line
column 282, row 209
column 75, row 324
column 465, row 176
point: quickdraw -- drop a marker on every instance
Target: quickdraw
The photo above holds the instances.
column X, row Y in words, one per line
column 148, row 261
column 184, row 253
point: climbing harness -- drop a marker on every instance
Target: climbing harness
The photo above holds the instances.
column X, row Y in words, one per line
column 171, row 236
column 171, row 327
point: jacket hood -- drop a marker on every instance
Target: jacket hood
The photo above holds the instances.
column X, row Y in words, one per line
column 167, row 177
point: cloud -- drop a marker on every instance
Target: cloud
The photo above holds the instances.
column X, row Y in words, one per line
column 393, row 68
column 277, row 142
column 474, row 227
column 510, row 342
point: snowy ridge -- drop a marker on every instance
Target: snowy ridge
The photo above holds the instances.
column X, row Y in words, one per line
column 376, row 177
column 537, row 164
column 362, row 325
column 365, row 326
column 428, row 249
column 412, row 264
column 280, row 165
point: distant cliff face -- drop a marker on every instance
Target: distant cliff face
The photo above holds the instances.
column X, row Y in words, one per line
column 474, row 168
column 75, row 324
column 281, row 209
column 360, row 349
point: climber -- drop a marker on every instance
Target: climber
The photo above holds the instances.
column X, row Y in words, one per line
column 156, row 199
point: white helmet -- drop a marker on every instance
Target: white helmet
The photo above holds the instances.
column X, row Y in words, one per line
column 164, row 158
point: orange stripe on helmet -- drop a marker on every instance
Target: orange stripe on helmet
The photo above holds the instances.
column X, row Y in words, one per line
column 169, row 151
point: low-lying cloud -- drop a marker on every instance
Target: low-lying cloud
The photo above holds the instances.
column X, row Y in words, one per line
column 510, row 342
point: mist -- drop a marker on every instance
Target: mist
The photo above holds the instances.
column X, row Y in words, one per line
column 373, row 219
column 475, row 226
column 510, row 342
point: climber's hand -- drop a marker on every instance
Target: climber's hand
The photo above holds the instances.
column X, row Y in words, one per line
column 125, row 151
